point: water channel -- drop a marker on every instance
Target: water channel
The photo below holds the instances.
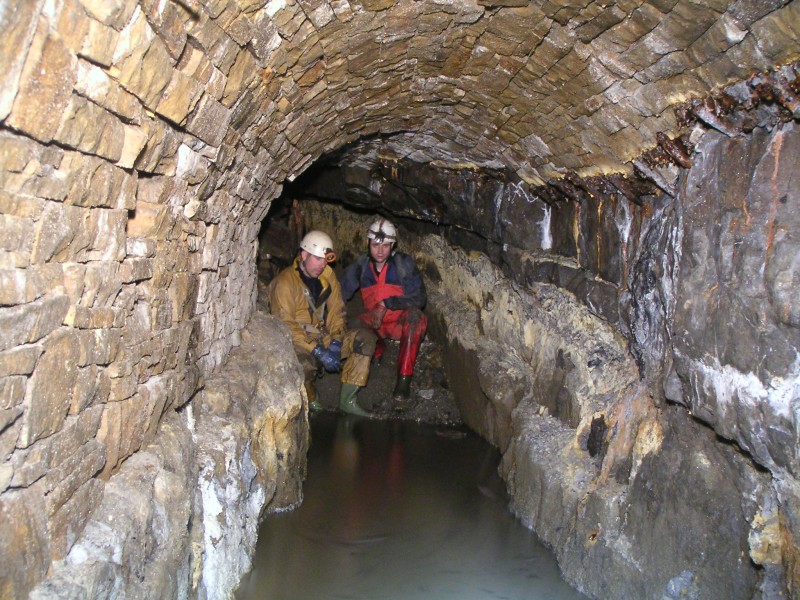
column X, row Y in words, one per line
column 397, row 510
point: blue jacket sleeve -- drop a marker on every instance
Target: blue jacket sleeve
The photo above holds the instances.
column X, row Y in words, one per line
column 413, row 287
column 350, row 281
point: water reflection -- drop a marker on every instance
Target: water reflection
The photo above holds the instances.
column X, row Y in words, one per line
column 400, row 511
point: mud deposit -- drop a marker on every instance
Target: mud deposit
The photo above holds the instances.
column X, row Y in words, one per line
column 400, row 510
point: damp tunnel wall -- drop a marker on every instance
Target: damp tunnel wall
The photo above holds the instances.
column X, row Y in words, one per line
column 631, row 490
column 141, row 146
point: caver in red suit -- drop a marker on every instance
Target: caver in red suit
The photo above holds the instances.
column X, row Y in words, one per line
column 394, row 296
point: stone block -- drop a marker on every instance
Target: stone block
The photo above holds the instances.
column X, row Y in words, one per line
column 73, row 25
column 55, row 230
column 65, row 479
column 138, row 325
column 33, row 463
column 14, row 287
column 30, row 322
column 182, row 294
column 209, row 121
column 195, row 64
column 241, row 29
column 100, row 284
column 222, row 49
column 135, row 269
column 114, row 13
column 142, row 64
column 12, row 392
column 45, row 84
column 777, row 33
column 17, row 153
column 123, row 429
column 49, row 391
column 156, row 392
column 6, row 472
column 20, row 360
column 24, row 542
column 16, row 32
column 67, row 522
column 99, row 346
column 155, row 190
column 84, row 317
column 91, row 129
column 121, row 389
column 241, row 75
column 140, row 247
column 133, row 142
column 8, row 442
column 16, row 234
column 179, row 97
column 165, row 19
column 158, row 155
column 600, row 23
column 162, row 312
column 99, row 44
column 105, row 229
column 94, row 182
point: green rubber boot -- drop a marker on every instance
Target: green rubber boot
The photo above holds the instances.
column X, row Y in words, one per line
column 313, row 400
column 347, row 401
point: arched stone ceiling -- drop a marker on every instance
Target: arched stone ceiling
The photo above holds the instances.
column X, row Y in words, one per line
column 538, row 87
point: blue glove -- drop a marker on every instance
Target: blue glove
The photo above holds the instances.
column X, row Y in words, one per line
column 330, row 361
column 336, row 350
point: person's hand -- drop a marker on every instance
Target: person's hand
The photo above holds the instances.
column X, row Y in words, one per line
column 375, row 316
column 330, row 360
column 336, row 349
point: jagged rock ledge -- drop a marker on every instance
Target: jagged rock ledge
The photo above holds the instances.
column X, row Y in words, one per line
column 179, row 519
column 631, row 497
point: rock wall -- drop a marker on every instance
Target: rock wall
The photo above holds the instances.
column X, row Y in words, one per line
column 142, row 142
column 180, row 517
column 634, row 494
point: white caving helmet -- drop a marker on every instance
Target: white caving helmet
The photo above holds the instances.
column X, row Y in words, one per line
column 319, row 244
column 382, row 231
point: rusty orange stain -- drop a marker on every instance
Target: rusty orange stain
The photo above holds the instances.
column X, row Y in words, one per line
column 598, row 235
column 773, row 203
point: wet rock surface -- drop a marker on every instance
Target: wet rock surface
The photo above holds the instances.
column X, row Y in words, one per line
column 143, row 142
column 589, row 457
column 179, row 518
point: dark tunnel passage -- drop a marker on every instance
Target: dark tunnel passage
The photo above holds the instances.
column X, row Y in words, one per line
column 602, row 201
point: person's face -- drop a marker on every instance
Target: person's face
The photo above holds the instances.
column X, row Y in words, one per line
column 313, row 266
column 380, row 251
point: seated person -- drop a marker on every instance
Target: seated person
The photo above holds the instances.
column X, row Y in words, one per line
column 306, row 296
column 394, row 296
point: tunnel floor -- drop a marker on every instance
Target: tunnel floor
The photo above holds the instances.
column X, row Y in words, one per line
column 397, row 509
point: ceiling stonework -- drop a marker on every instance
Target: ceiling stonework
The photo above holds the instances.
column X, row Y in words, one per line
column 536, row 87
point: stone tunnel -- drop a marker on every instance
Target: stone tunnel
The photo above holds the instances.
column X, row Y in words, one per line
column 603, row 197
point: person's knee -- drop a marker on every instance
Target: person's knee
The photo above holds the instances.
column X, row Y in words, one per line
column 416, row 318
column 364, row 342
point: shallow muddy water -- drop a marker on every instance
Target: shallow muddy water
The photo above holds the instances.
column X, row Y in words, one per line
column 395, row 510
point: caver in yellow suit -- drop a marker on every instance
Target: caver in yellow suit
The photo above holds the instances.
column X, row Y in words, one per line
column 306, row 296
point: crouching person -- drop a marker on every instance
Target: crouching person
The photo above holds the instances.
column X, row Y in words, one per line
column 394, row 295
column 307, row 297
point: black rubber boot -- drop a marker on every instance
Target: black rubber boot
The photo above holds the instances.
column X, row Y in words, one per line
column 403, row 387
